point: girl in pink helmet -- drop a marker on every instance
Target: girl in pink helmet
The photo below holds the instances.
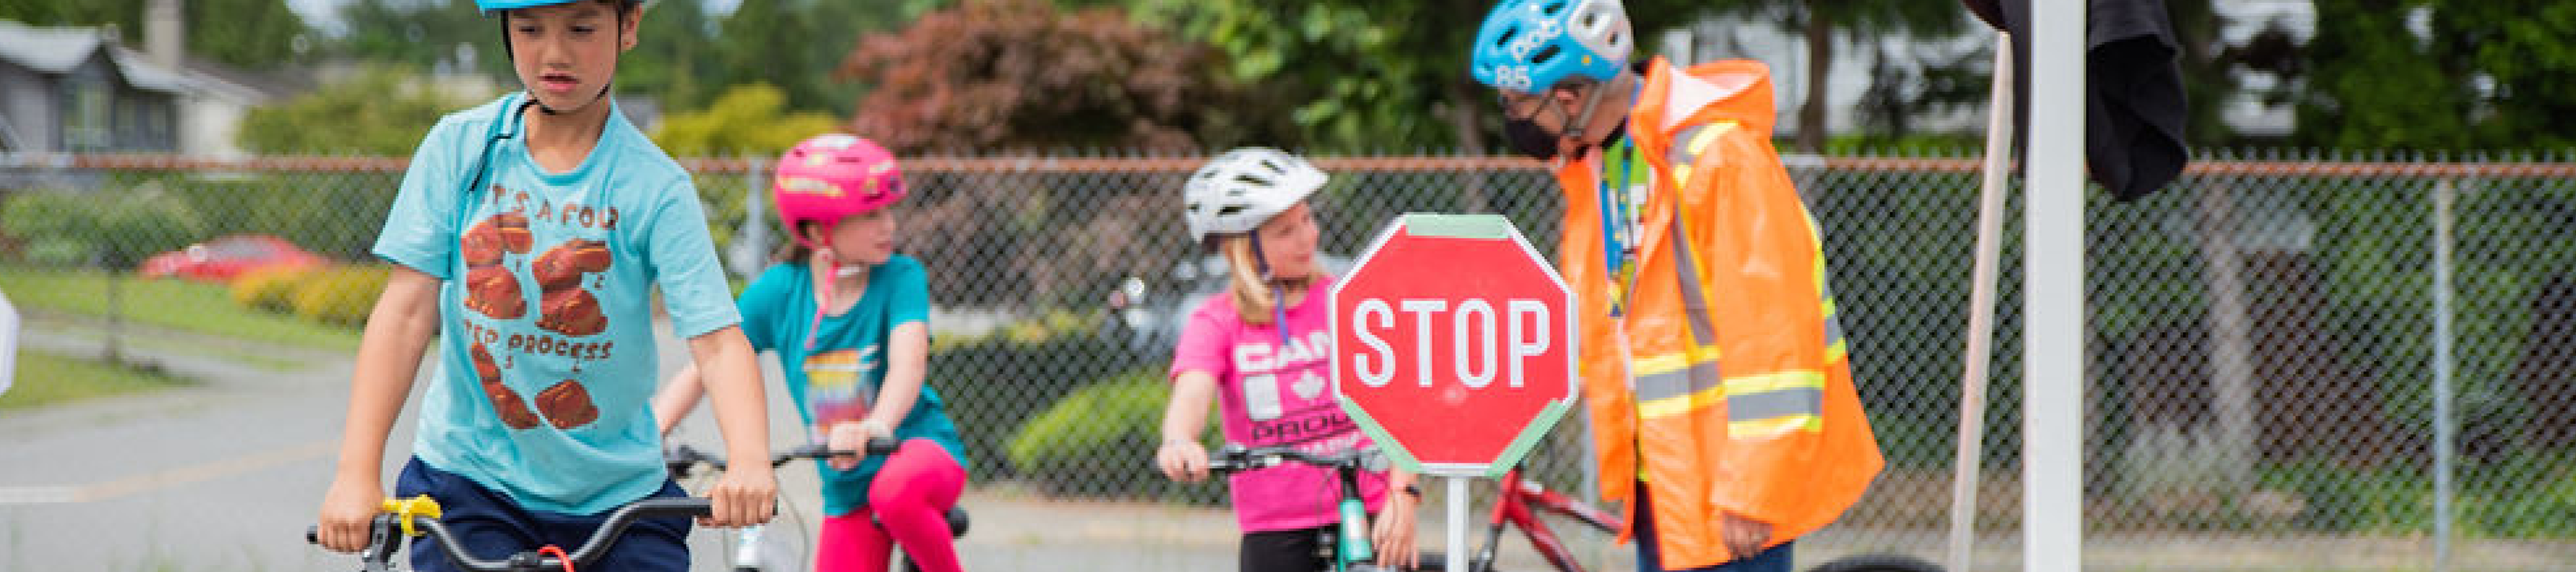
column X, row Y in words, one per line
column 850, row 320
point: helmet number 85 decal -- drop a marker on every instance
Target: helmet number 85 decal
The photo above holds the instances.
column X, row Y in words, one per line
column 1512, row 77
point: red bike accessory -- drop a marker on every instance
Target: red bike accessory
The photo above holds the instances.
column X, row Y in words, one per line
column 559, row 555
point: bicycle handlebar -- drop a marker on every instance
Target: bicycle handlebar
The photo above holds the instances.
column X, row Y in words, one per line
column 1236, row 458
column 681, row 458
column 591, row 549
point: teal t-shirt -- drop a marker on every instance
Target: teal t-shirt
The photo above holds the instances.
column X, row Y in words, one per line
column 546, row 362
column 835, row 378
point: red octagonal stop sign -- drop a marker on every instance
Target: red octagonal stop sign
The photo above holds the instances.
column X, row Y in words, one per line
column 1453, row 344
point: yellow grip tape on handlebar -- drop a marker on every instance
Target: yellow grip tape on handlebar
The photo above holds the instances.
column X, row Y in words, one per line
column 406, row 509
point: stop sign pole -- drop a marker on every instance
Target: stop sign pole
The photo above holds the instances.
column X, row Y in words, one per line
column 1454, row 350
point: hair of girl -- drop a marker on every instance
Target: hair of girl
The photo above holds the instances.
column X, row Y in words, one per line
column 1252, row 295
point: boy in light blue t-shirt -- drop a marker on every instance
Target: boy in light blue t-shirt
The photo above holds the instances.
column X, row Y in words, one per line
column 528, row 236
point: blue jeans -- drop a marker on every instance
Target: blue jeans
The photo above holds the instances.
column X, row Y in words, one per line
column 492, row 527
column 1773, row 559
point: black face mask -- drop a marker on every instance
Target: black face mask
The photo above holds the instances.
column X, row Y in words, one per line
column 1527, row 138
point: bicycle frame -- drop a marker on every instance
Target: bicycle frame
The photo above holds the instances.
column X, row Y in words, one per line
column 1519, row 503
column 1352, row 550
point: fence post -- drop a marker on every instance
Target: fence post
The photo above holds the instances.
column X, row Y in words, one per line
column 2443, row 431
column 2231, row 337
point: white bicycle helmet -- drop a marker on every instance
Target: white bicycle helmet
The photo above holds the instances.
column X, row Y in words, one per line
column 1237, row 191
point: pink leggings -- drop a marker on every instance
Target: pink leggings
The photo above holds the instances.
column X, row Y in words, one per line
column 911, row 496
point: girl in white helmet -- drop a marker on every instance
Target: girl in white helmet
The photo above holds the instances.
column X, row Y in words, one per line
column 1264, row 347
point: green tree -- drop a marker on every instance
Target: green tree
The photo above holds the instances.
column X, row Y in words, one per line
column 674, row 55
column 2437, row 74
column 1824, row 23
column 423, row 34
column 381, row 112
column 749, row 119
column 2375, row 85
column 1360, row 75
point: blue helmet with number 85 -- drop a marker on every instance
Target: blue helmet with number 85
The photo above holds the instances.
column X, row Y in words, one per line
column 1531, row 45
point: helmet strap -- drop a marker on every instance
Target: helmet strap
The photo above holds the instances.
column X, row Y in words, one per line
column 1583, row 117
column 1278, row 292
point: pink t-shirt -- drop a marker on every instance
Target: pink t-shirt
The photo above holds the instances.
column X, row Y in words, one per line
column 1272, row 396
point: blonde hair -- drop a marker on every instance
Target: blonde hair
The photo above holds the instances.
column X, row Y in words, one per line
column 1253, row 299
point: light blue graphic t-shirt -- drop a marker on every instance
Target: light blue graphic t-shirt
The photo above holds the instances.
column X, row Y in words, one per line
column 546, row 358
column 835, row 379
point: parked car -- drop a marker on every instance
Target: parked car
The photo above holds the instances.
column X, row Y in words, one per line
column 228, row 257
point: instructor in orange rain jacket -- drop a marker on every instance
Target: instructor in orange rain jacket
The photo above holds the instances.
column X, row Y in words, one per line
column 1714, row 365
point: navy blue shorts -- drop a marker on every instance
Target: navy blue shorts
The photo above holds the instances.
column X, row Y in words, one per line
column 492, row 527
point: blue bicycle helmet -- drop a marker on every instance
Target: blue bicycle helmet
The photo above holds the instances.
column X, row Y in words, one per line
column 490, row 6
column 1530, row 45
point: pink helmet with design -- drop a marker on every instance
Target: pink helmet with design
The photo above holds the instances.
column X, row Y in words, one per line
column 832, row 176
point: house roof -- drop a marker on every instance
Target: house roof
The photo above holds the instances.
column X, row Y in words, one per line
column 55, row 51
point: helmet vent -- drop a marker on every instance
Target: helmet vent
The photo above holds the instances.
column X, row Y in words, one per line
column 1546, row 54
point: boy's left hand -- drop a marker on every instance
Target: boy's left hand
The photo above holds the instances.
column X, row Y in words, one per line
column 745, row 496
column 1393, row 531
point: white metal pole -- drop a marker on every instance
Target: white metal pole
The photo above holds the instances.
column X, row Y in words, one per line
column 1457, row 499
column 2053, row 262
column 2443, row 431
column 1981, row 310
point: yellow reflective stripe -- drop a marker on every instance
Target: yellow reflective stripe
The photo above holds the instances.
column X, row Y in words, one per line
column 1680, row 404
column 1776, row 381
column 1692, row 150
column 1839, row 351
column 1709, row 135
column 1676, row 361
column 1809, row 423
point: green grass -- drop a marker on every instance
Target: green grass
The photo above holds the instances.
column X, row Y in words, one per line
column 47, row 379
column 167, row 303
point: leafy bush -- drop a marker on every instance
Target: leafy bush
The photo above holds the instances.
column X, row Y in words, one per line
column 750, row 119
column 272, row 288
column 994, row 383
column 123, row 226
column 342, row 294
column 1099, row 440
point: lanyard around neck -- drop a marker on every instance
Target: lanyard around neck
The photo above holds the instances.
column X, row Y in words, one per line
column 1622, row 215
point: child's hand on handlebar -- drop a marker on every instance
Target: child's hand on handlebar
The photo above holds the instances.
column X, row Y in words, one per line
column 347, row 510
column 745, row 496
column 853, row 436
column 1182, row 460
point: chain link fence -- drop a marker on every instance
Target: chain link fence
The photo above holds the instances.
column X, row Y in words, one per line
column 2270, row 341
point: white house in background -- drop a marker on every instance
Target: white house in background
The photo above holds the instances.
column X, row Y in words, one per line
column 80, row 90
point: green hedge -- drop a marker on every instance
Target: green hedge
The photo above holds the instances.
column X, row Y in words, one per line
column 993, row 383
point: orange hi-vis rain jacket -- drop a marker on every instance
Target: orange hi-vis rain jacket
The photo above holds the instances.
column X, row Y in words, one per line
column 1733, row 389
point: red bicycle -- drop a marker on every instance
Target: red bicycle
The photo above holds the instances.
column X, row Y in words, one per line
column 1522, row 500
column 1519, row 504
